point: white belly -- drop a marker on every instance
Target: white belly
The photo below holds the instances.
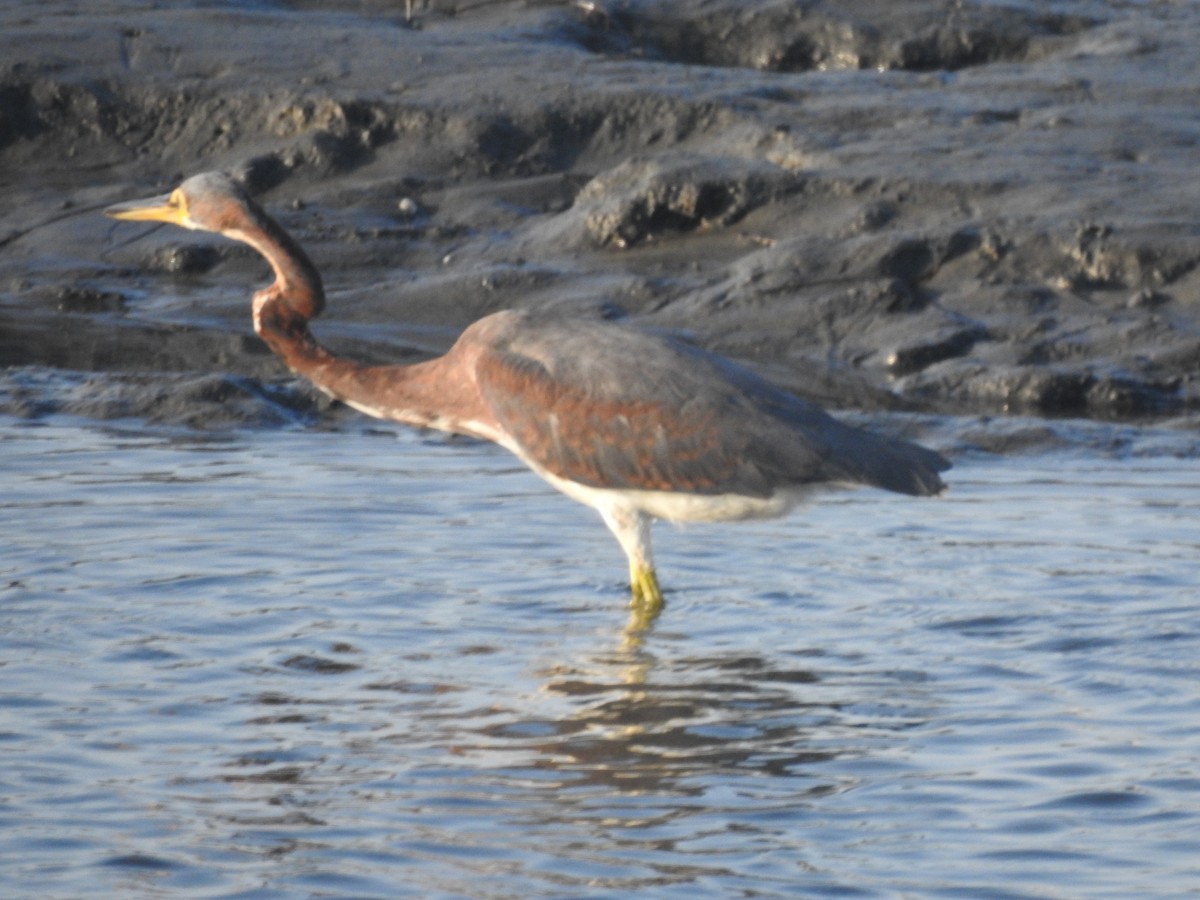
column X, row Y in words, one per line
column 674, row 506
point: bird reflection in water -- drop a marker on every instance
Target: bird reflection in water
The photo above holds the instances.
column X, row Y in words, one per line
column 620, row 767
column 651, row 732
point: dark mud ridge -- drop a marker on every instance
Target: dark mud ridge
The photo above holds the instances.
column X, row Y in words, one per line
column 956, row 208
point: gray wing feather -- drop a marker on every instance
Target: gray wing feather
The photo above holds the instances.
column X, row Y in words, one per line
column 609, row 406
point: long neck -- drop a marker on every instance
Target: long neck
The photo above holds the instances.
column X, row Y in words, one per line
column 440, row 393
column 297, row 287
column 283, row 309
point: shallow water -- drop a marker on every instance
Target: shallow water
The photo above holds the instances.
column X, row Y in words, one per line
column 302, row 663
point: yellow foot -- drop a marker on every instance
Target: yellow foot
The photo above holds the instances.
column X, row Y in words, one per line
column 646, row 599
column 643, row 585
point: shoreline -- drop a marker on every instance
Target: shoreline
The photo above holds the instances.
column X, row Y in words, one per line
column 878, row 206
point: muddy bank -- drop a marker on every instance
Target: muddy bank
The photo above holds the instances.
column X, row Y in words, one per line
column 950, row 208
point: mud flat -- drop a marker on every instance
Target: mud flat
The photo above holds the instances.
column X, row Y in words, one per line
column 965, row 208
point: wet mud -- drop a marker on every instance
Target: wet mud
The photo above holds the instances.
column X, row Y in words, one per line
column 956, row 209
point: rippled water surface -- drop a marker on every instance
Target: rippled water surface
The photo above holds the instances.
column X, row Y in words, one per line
column 377, row 665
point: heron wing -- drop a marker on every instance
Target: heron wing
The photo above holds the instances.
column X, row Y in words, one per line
column 608, row 406
column 848, row 454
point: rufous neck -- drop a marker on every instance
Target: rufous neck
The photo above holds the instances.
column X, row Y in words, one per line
column 297, row 282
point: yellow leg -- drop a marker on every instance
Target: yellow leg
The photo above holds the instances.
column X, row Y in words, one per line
column 632, row 530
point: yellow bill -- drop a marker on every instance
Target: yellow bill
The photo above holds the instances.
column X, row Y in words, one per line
column 170, row 208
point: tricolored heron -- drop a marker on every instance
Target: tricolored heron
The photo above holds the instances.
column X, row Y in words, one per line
column 638, row 426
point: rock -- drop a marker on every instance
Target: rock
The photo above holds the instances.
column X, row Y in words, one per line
column 937, row 347
column 183, row 259
column 642, row 199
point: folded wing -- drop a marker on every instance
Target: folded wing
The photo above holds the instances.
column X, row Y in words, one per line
column 608, row 406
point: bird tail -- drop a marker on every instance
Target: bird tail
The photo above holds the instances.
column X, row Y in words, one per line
column 894, row 465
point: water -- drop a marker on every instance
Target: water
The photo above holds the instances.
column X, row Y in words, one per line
column 373, row 664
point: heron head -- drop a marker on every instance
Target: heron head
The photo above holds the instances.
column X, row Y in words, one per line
column 211, row 201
